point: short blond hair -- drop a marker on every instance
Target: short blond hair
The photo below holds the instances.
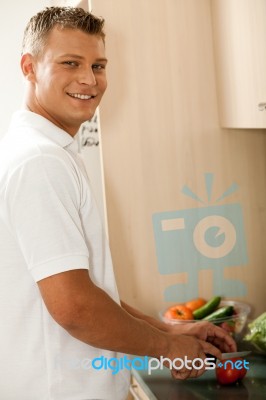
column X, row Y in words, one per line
column 41, row 24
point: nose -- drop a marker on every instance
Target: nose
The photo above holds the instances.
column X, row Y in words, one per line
column 87, row 77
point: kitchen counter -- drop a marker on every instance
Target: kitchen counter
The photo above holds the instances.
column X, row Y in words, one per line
column 159, row 385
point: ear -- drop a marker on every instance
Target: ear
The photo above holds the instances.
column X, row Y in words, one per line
column 27, row 67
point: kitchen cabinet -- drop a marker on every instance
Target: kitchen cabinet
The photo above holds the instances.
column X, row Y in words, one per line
column 239, row 32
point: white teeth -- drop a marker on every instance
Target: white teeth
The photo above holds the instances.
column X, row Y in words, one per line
column 80, row 96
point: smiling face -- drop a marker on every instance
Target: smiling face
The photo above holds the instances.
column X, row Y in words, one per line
column 68, row 79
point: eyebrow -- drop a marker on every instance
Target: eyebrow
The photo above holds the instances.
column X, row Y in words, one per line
column 102, row 59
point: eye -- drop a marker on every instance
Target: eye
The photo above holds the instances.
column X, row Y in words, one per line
column 70, row 63
column 98, row 67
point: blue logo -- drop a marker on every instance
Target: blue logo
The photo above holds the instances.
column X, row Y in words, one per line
column 237, row 364
column 209, row 237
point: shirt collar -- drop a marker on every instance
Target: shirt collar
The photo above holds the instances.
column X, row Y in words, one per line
column 47, row 128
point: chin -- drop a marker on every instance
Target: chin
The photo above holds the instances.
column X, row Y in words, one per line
column 88, row 116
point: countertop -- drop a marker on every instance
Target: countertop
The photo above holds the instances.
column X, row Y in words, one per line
column 159, row 385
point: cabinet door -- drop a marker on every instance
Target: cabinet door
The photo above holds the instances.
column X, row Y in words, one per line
column 239, row 28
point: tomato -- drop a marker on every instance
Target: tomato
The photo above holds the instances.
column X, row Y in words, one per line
column 242, row 373
column 230, row 371
column 195, row 303
column 179, row 311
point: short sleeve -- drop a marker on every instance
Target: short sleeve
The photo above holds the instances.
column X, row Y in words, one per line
column 43, row 200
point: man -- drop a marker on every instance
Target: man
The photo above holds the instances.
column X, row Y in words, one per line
column 62, row 318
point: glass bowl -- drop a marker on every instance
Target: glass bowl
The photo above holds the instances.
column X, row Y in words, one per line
column 235, row 324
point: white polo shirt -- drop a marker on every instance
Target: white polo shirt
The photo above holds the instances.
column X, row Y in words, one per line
column 48, row 224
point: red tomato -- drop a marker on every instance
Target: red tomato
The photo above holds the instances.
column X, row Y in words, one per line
column 179, row 311
column 230, row 371
column 242, row 373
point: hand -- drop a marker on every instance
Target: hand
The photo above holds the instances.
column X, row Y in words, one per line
column 208, row 332
column 186, row 347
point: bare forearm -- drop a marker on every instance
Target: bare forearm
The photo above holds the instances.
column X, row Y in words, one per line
column 89, row 314
column 206, row 332
column 104, row 324
column 150, row 320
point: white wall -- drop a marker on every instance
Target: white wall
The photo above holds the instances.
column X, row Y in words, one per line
column 14, row 17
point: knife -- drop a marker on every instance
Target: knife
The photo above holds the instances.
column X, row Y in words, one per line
column 226, row 356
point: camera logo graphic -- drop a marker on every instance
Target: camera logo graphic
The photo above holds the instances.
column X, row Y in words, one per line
column 210, row 237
